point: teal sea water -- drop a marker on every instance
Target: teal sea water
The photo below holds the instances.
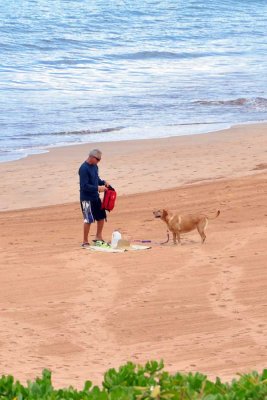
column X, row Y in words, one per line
column 74, row 71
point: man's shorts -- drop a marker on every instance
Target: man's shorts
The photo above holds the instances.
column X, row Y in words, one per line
column 92, row 211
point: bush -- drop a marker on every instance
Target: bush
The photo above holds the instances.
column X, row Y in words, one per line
column 146, row 382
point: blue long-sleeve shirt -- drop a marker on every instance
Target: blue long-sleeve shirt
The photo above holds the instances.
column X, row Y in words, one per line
column 89, row 182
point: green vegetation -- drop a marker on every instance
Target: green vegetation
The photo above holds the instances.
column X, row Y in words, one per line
column 147, row 382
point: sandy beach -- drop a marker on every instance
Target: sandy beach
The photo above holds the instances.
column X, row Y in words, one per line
column 198, row 307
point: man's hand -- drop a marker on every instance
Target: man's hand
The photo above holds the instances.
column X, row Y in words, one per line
column 102, row 189
column 106, row 184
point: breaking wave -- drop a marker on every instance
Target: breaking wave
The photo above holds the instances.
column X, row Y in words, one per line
column 257, row 102
column 71, row 133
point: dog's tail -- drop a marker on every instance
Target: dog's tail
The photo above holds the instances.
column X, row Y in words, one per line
column 217, row 215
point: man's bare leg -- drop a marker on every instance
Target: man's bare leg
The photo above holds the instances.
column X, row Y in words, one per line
column 99, row 229
column 86, row 229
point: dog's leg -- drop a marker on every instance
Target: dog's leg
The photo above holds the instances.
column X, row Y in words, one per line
column 174, row 238
column 201, row 226
column 176, row 235
column 203, row 237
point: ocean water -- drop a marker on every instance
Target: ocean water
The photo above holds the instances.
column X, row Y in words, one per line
column 74, row 71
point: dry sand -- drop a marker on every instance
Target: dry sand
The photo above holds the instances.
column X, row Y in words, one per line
column 198, row 307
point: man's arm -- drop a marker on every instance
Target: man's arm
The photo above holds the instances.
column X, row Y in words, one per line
column 101, row 182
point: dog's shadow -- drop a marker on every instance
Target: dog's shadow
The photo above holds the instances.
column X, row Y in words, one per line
column 185, row 242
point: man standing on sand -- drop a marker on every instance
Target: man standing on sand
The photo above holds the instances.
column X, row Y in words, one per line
column 90, row 187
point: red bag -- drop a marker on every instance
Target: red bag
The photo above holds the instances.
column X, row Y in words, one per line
column 109, row 199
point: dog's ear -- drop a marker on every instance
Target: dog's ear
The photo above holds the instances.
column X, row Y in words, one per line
column 164, row 213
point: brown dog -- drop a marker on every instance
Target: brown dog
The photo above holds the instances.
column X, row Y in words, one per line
column 178, row 224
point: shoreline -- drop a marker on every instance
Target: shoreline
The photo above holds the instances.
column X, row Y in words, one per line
column 51, row 178
column 173, row 131
column 47, row 149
